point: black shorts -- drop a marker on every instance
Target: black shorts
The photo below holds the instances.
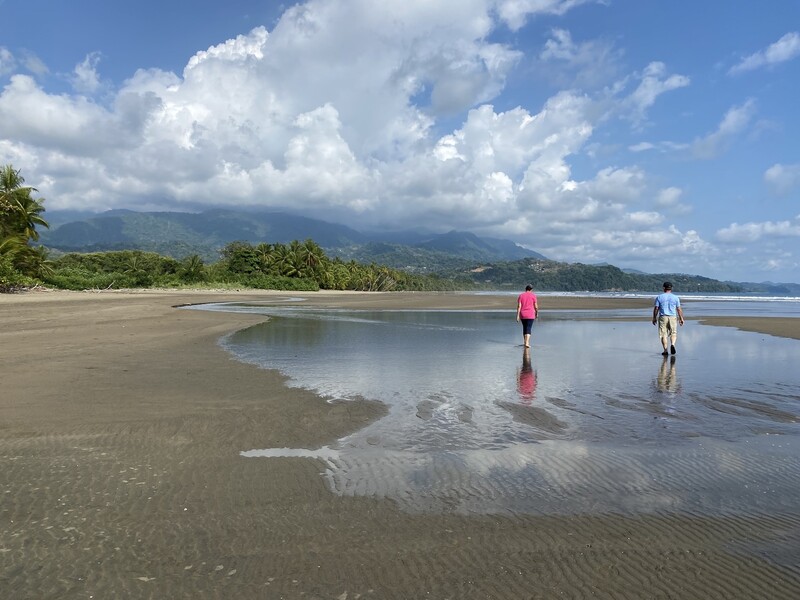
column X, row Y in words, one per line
column 527, row 325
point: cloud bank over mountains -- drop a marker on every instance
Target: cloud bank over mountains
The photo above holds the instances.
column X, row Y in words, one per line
column 392, row 115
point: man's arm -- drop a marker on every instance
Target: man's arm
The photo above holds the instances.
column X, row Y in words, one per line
column 655, row 314
column 680, row 315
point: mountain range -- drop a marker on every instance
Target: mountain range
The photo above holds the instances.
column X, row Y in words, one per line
column 484, row 260
column 179, row 234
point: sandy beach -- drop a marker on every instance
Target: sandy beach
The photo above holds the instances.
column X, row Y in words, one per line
column 121, row 427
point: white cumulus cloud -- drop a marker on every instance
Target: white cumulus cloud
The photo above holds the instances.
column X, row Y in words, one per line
column 755, row 231
column 735, row 121
column 515, row 13
column 783, row 179
column 786, row 48
column 669, row 201
column 653, row 82
column 86, row 79
column 585, row 65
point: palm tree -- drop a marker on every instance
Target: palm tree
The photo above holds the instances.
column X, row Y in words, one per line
column 27, row 215
column 386, row 280
column 264, row 257
column 33, row 261
column 10, row 186
column 20, row 213
column 295, row 250
column 136, row 267
column 193, row 268
column 286, row 261
column 312, row 255
column 11, row 246
column 16, row 253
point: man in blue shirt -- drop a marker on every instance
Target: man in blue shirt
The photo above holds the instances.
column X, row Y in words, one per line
column 667, row 313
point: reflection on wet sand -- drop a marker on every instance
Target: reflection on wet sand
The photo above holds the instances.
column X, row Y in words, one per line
column 526, row 378
column 471, row 428
column 667, row 380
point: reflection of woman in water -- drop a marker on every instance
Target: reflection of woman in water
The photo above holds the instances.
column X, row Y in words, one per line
column 526, row 378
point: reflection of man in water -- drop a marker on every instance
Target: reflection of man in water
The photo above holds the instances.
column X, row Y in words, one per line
column 667, row 380
column 526, row 378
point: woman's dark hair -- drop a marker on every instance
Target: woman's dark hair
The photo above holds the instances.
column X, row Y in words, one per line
column 528, row 288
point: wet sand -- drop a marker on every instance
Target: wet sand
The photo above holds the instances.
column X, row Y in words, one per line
column 781, row 327
column 121, row 423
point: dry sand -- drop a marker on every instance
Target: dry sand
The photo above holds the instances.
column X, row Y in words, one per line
column 121, row 423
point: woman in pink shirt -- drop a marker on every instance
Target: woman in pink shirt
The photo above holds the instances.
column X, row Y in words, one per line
column 527, row 311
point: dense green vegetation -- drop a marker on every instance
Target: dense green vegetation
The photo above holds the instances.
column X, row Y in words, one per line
column 295, row 266
column 21, row 264
column 305, row 267
column 307, row 261
column 574, row 277
column 409, row 258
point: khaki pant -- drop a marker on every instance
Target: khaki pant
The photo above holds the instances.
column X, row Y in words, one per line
column 667, row 326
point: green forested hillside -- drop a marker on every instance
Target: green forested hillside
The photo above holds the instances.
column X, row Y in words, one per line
column 184, row 234
column 547, row 275
column 413, row 259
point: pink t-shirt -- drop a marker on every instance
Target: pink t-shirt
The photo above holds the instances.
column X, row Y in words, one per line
column 526, row 301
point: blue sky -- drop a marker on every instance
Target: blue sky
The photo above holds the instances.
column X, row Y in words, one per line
column 661, row 136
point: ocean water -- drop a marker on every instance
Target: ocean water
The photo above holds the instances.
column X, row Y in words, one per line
column 591, row 420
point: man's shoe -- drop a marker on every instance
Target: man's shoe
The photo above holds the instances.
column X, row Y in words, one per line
column 665, row 353
column 671, row 349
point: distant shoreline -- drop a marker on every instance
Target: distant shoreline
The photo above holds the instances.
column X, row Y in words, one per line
column 788, row 327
